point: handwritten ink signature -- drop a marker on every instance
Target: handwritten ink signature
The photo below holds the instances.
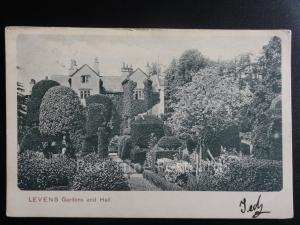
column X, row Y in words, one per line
column 256, row 208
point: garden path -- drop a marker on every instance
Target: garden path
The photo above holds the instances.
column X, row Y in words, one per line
column 136, row 180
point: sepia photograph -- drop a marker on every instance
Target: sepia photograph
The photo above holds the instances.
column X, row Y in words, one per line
column 169, row 112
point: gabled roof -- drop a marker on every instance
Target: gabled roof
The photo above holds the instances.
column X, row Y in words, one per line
column 112, row 83
column 136, row 70
column 85, row 65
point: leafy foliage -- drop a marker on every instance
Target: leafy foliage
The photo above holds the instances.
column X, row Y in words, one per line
column 103, row 100
column 96, row 174
column 35, row 172
column 32, row 140
column 21, row 110
column 95, row 118
column 141, row 130
column 35, row 100
column 160, row 181
column 240, row 175
column 138, row 155
column 125, row 146
column 169, row 142
column 60, row 113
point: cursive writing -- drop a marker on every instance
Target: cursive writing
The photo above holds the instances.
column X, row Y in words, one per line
column 256, row 208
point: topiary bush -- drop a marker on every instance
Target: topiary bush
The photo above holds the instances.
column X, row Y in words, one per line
column 60, row 113
column 32, row 140
column 35, row 100
column 125, row 146
column 95, row 118
column 103, row 100
column 96, row 174
column 141, row 130
column 35, row 172
column 138, row 155
column 169, row 142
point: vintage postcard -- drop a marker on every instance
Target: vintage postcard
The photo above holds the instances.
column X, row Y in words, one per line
column 148, row 123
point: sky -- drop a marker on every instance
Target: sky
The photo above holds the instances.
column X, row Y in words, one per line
column 41, row 55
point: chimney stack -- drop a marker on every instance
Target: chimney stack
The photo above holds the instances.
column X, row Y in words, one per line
column 96, row 66
column 126, row 70
column 73, row 67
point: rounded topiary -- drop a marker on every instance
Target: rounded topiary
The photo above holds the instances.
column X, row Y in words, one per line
column 35, row 100
column 169, row 142
column 103, row 100
column 32, row 140
column 60, row 112
column 142, row 128
column 102, row 175
column 138, row 155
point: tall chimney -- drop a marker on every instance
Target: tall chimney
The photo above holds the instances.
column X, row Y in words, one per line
column 126, row 70
column 73, row 67
column 96, row 65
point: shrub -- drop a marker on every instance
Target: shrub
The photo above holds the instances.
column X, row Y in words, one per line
column 96, row 174
column 166, row 154
column 169, row 142
column 138, row 155
column 138, row 168
column 141, row 129
column 35, row 172
column 190, row 145
column 160, row 182
column 95, row 118
column 60, row 113
column 103, row 100
column 35, row 100
column 246, row 174
column 32, row 140
column 125, row 146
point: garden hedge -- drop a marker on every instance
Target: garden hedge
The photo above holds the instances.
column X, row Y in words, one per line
column 35, row 172
column 169, row 142
column 102, row 175
column 166, row 154
column 160, row 182
column 141, row 130
column 249, row 174
column 35, row 100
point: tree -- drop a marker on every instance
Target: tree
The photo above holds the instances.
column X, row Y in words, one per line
column 181, row 72
column 208, row 105
column 60, row 113
column 22, row 110
column 34, row 102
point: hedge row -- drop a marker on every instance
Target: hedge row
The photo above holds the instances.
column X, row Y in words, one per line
column 166, row 154
column 244, row 175
column 160, row 181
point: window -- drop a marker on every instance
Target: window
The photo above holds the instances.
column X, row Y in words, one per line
column 84, row 94
column 138, row 95
column 84, row 78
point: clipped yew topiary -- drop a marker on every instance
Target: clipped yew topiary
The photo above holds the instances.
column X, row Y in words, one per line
column 169, row 142
column 95, row 118
column 35, row 100
column 142, row 128
column 103, row 100
column 60, row 113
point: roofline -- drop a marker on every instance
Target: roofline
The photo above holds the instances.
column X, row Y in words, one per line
column 136, row 70
column 82, row 67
